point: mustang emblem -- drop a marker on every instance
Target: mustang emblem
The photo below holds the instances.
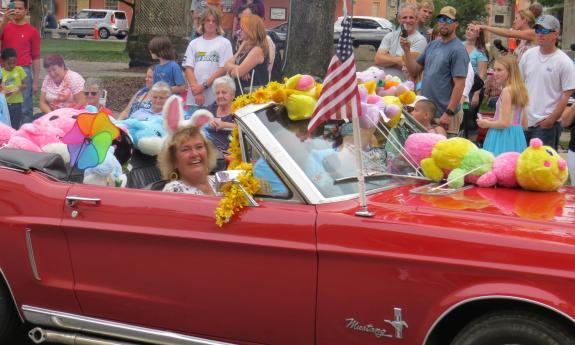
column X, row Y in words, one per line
column 398, row 325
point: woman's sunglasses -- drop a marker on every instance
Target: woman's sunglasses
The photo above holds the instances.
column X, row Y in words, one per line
column 445, row 20
column 540, row 30
column 91, row 93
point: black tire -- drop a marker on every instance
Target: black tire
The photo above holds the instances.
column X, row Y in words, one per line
column 10, row 326
column 81, row 36
column 513, row 327
column 104, row 33
column 120, row 36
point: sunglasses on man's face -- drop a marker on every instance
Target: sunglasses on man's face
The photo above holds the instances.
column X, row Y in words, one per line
column 445, row 20
column 540, row 30
column 90, row 93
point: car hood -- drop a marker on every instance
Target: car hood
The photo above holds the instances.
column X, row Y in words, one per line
column 545, row 216
column 557, row 207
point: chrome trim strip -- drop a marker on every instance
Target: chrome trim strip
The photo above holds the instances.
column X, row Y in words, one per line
column 122, row 331
column 499, row 297
column 20, row 315
column 31, row 257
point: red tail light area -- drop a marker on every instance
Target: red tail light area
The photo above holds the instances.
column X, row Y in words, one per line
column 112, row 19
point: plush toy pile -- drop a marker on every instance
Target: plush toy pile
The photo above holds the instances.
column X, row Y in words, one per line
column 382, row 96
column 538, row 168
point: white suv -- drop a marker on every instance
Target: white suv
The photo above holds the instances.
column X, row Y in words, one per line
column 109, row 23
column 365, row 30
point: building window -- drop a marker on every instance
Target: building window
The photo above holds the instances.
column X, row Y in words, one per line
column 227, row 5
column 375, row 9
column 111, row 4
column 72, row 8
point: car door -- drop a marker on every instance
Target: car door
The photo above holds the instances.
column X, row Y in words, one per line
column 158, row 260
column 365, row 31
column 80, row 22
column 35, row 257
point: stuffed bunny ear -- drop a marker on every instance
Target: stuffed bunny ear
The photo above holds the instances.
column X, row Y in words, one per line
column 173, row 113
column 200, row 117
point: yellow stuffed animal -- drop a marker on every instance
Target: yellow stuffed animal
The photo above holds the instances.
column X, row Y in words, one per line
column 446, row 156
column 299, row 96
column 540, row 168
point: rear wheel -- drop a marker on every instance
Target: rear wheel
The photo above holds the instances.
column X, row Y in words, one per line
column 81, row 36
column 120, row 36
column 513, row 328
column 104, row 33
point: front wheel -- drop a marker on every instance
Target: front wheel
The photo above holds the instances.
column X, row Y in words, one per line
column 9, row 323
column 81, row 36
column 513, row 327
column 120, row 36
column 104, row 33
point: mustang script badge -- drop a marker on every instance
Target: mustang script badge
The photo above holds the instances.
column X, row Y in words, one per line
column 398, row 324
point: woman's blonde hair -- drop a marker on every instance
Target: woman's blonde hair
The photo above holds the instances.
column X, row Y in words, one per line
column 518, row 91
column 255, row 32
column 528, row 16
column 167, row 156
column 214, row 12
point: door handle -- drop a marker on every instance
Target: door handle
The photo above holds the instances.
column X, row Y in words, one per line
column 72, row 200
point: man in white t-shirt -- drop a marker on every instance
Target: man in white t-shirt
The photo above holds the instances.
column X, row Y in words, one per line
column 389, row 55
column 205, row 59
column 549, row 75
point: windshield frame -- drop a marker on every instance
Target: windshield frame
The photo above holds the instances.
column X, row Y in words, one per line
column 249, row 122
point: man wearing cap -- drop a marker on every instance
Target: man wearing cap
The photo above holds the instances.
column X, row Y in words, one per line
column 389, row 55
column 444, row 64
column 549, row 76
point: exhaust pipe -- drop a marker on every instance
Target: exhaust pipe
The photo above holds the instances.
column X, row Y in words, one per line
column 39, row 336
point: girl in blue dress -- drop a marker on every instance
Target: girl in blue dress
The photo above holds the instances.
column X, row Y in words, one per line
column 505, row 132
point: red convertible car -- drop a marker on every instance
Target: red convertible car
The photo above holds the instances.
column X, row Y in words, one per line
column 84, row 264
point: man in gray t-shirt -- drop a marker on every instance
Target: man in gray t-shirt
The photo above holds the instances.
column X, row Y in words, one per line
column 444, row 64
column 389, row 55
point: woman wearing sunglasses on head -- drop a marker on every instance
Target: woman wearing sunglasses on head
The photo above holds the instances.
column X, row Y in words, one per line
column 93, row 89
column 521, row 29
column 62, row 88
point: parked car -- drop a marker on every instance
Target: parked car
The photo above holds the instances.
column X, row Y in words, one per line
column 279, row 35
column 109, row 23
column 365, row 30
column 108, row 265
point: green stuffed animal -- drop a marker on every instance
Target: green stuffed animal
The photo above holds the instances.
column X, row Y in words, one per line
column 473, row 165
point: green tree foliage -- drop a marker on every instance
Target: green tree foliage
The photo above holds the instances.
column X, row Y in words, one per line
column 467, row 11
column 550, row 3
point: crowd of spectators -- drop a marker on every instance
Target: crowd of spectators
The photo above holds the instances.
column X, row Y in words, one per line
column 454, row 76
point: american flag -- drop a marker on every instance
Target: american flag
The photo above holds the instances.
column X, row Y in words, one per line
column 339, row 98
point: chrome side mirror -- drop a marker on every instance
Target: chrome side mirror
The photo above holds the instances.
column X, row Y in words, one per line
column 231, row 176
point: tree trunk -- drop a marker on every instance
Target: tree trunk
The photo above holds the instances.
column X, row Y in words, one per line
column 310, row 38
column 157, row 18
column 35, row 12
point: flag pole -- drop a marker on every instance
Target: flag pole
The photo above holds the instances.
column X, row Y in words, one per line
column 364, row 211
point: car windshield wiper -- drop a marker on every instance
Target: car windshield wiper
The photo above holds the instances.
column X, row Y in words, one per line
column 378, row 175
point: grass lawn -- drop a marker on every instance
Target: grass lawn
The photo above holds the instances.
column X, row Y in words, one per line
column 84, row 50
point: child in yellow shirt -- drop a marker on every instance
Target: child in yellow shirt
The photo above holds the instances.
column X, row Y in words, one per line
column 13, row 82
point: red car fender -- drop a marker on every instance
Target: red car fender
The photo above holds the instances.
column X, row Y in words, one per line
column 525, row 294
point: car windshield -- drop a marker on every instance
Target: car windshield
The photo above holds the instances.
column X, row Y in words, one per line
column 328, row 156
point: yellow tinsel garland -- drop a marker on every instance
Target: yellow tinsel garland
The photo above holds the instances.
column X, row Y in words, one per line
column 234, row 198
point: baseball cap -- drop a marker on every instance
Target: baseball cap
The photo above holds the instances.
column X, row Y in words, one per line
column 448, row 12
column 548, row 22
column 417, row 99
